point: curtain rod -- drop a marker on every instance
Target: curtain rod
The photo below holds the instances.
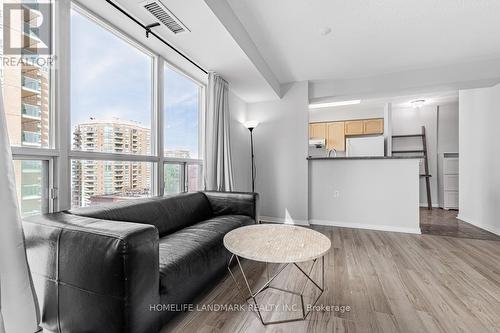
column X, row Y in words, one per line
column 148, row 31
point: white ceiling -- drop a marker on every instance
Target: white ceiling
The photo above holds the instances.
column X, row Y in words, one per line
column 397, row 101
column 209, row 44
column 369, row 37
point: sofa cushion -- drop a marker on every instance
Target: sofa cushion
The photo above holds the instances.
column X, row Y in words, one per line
column 191, row 255
column 168, row 214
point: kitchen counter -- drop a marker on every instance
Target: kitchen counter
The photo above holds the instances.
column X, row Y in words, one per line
column 311, row 158
column 378, row 192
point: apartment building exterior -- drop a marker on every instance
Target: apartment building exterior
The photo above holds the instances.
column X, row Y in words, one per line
column 96, row 181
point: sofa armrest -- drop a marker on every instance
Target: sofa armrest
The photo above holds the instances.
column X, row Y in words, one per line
column 94, row 275
column 240, row 203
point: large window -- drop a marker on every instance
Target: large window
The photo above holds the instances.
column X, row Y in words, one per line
column 26, row 79
column 182, row 95
column 111, row 112
column 115, row 147
column 113, row 117
column 111, row 90
column 181, row 128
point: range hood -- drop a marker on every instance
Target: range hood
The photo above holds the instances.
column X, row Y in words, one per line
column 318, row 143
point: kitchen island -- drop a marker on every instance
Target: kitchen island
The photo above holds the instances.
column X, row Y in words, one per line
column 375, row 192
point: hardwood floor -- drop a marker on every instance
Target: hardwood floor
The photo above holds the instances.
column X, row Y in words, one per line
column 393, row 282
column 442, row 222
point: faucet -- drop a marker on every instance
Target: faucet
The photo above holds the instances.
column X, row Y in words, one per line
column 330, row 151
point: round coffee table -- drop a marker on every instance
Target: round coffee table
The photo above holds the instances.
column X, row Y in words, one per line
column 279, row 244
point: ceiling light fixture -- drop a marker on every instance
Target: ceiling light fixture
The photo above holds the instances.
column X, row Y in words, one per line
column 330, row 104
column 325, row 31
column 418, row 103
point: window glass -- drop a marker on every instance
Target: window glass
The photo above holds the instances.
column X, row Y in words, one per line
column 25, row 74
column 32, row 186
column 181, row 125
column 111, row 91
column 94, row 182
column 194, row 177
column 172, row 173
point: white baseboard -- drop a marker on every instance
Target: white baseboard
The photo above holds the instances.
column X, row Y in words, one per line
column 366, row 226
column 487, row 227
column 271, row 219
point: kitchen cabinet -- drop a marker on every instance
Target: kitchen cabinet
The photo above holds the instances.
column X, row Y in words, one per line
column 335, row 136
column 317, row 131
column 354, row 127
column 448, row 180
column 373, row 126
column 334, row 133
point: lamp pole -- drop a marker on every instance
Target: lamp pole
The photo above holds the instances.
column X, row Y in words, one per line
column 253, row 166
column 251, row 125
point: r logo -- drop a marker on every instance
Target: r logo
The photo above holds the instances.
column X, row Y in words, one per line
column 27, row 28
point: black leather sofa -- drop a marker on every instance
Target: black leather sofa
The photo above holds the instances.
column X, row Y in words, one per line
column 117, row 268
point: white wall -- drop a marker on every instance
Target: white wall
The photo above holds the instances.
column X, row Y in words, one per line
column 479, row 161
column 379, row 194
column 281, row 143
column 448, row 128
column 347, row 113
column 240, row 144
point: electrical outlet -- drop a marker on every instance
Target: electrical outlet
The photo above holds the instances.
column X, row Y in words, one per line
column 336, row 194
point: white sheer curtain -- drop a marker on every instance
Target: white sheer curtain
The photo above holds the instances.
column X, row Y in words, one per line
column 18, row 305
column 218, row 166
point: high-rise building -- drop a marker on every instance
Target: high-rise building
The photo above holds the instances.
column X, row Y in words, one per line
column 25, row 80
column 95, row 181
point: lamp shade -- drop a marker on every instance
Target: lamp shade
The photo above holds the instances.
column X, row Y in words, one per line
column 251, row 124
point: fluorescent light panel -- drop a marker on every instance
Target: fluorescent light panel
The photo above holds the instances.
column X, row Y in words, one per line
column 330, row 104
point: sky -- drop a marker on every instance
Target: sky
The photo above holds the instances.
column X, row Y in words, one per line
column 110, row 78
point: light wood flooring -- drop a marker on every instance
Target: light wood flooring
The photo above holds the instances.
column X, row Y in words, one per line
column 442, row 222
column 393, row 282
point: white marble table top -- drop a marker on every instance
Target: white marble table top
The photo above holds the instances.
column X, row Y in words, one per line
column 277, row 243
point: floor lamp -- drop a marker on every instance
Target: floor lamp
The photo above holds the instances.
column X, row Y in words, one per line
column 251, row 125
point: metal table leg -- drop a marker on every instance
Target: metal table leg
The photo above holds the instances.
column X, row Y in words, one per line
column 267, row 285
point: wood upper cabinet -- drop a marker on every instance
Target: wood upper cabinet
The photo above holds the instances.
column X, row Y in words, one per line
column 373, row 126
column 335, row 136
column 354, row 127
column 317, row 131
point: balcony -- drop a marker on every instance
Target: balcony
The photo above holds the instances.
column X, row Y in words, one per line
column 30, row 86
column 31, row 111
column 31, row 138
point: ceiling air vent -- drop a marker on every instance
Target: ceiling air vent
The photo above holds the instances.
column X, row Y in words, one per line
column 165, row 16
